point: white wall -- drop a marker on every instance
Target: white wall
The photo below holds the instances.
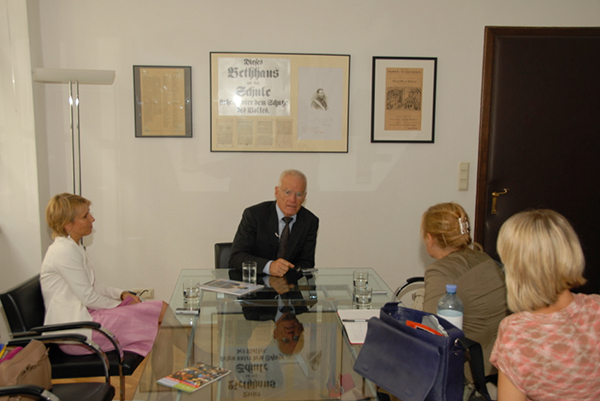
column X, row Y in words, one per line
column 21, row 248
column 160, row 204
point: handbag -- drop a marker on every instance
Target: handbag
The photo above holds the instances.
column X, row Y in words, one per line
column 413, row 364
column 29, row 366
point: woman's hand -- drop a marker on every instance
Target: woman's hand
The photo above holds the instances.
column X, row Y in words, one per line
column 127, row 294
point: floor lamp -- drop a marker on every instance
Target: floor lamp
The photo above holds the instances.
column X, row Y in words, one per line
column 74, row 78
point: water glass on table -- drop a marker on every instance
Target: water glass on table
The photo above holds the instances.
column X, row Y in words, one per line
column 363, row 295
column 191, row 290
column 249, row 271
column 360, row 278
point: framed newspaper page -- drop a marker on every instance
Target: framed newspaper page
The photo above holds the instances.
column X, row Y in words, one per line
column 163, row 101
column 403, row 104
column 279, row 102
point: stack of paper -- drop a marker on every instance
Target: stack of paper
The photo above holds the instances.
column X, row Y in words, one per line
column 355, row 323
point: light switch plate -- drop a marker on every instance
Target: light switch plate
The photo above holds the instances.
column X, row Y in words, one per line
column 463, row 176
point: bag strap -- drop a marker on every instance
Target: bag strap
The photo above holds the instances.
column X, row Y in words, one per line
column 476, row 364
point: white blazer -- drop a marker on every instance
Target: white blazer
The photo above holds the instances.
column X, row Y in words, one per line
column 69, row 285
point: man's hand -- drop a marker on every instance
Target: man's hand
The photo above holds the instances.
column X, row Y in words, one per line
column 279, row 267
column 279, row 284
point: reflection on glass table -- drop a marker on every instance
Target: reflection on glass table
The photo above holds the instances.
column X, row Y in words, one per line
column 284, row 342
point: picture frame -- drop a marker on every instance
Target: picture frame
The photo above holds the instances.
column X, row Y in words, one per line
column 403, row 99
column 163, row 101
column 279, row 102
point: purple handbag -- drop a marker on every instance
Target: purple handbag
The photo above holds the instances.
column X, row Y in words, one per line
column 412, row 364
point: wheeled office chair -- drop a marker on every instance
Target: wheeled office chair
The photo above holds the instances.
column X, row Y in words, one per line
column 80, row 391
column 25, row 311
column 222, row 254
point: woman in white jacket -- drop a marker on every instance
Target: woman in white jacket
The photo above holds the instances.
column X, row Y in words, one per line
column 72, row 293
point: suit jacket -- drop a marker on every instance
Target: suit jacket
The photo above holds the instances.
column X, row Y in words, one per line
column 69, row 285
column 256, row 238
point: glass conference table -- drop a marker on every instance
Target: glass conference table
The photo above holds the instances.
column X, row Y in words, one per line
column 285, row 342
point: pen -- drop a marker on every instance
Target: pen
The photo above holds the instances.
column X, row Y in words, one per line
column 379, row 292
column 353, row 320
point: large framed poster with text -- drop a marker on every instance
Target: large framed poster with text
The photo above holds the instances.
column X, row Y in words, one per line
column 276, row 102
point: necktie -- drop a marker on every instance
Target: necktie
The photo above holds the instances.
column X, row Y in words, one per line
column 285, row 237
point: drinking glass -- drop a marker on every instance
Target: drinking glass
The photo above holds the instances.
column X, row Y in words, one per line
column 363, row 295
column 249, row 271
column 191, row 291
column 361, row 278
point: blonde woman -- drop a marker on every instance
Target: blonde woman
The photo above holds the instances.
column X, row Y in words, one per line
column 549, row 349
column 445, row 229
column 72, row 293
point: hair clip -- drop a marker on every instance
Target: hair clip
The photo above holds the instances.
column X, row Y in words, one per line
column 464, row 225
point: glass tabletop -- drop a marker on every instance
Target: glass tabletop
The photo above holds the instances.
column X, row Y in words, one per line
column 283, row 342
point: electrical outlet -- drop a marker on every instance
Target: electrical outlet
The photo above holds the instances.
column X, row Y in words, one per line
column 144, row 293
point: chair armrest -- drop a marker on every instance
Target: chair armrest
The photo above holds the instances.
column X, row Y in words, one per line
column 67, row 326
column 55, row 338
column 25, row 334
column 28, row 389
column 83, row 325
column 67, row 339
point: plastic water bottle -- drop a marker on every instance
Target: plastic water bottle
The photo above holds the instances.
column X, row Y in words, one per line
column 450, row 307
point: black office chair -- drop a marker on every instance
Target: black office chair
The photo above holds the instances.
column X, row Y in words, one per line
column 64, row 392
column 80, row 391
column 25, row 311
column 222, row 254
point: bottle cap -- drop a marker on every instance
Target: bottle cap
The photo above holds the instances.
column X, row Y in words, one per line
column 451, row 288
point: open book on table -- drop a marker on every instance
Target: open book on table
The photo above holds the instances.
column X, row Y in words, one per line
column 194, row 377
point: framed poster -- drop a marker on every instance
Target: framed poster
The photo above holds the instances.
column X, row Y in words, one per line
column 163, row 101
column 276, row 102
column 403, row 104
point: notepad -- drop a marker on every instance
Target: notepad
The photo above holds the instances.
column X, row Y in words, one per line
column 355, row 323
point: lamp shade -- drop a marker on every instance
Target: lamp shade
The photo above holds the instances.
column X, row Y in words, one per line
column 64, row 75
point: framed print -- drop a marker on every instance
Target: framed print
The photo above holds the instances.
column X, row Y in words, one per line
column 276, row 102
column 163, row 101
column 403, row 104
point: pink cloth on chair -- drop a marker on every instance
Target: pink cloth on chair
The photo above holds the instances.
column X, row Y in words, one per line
column 134, row 325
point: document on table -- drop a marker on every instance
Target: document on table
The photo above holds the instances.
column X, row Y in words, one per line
column 355, row 323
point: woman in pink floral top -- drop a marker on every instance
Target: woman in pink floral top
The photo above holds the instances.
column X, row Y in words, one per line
column 550, row 348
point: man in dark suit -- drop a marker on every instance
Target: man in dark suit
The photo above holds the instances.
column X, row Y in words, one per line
column 263, row 225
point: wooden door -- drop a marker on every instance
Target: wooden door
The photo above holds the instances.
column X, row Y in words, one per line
column 540, row 132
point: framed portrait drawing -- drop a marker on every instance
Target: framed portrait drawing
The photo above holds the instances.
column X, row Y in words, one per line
column 163, row 101
column 279, row 102
column 403, row 103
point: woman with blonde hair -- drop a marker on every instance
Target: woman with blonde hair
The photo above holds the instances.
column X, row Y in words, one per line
column 445, row 230
column 549, row 348
column 72, row 293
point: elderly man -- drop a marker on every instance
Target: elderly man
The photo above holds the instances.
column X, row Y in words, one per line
column 279, row 235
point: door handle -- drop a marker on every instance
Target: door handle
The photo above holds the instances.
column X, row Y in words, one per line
column 495, row 196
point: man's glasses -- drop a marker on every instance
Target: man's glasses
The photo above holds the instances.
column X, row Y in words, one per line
column 289, row 193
